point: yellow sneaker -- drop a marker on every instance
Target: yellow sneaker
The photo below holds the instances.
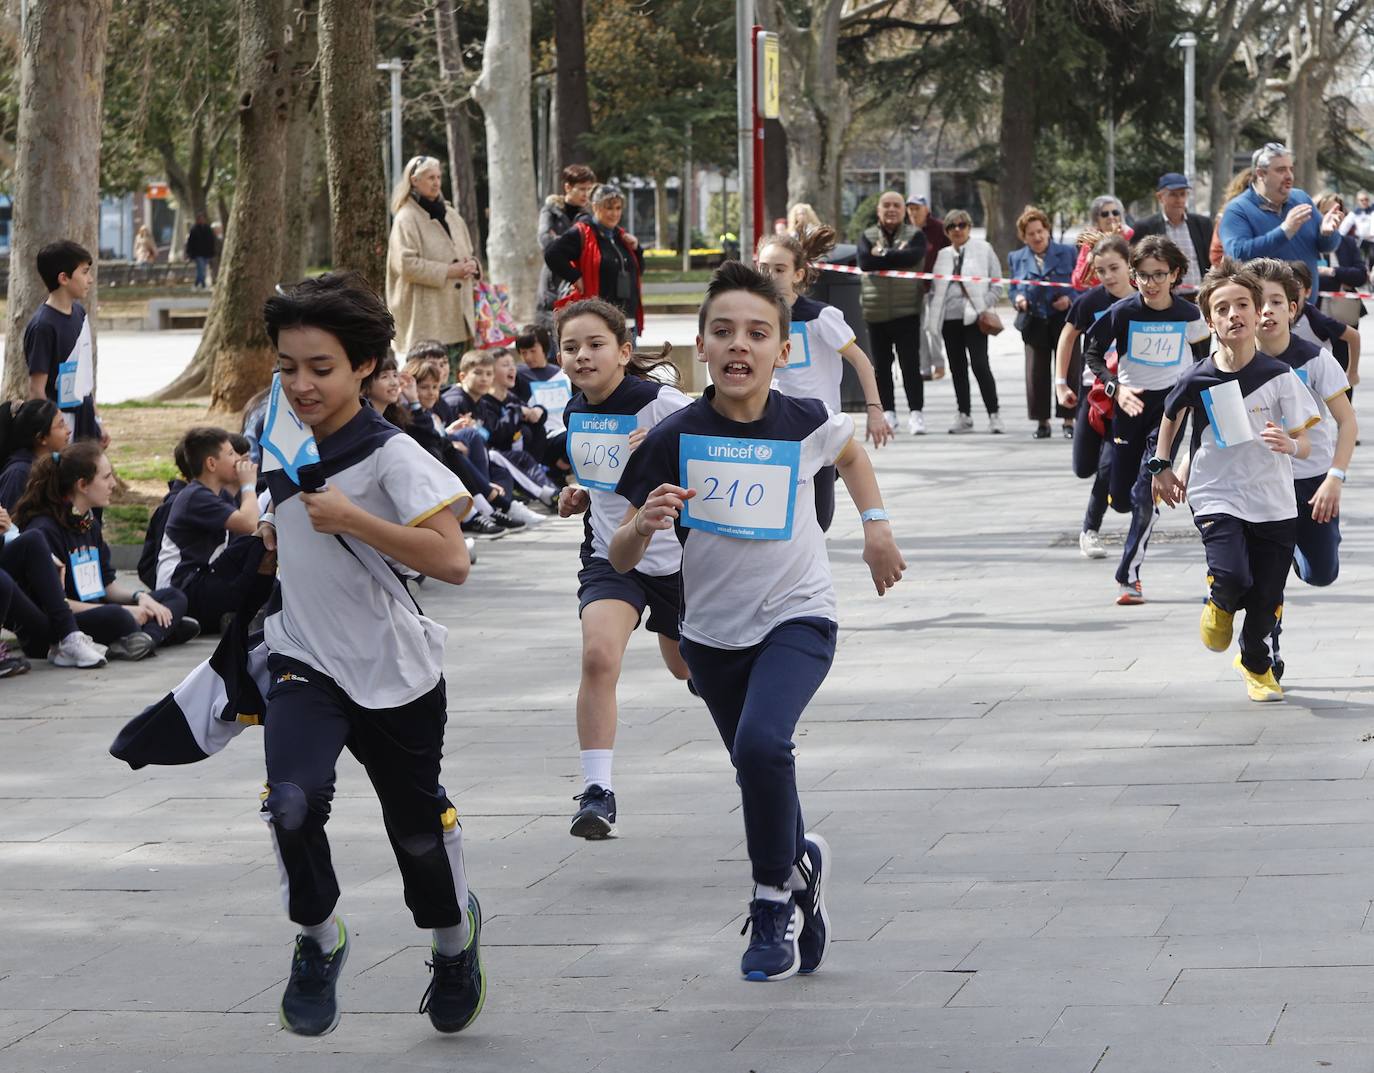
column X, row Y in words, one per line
column 1216, row 627
column 1261, row 687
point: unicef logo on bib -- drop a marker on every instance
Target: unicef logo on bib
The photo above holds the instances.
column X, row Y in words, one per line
column 745, row 488
column 599, row 447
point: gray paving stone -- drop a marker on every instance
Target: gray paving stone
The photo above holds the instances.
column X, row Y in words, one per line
column 1044, row 863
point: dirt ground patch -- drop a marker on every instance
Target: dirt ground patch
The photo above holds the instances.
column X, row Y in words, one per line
column 141, row 443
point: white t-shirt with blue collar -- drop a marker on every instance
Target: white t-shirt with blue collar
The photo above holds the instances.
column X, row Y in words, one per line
column 753, row 554
column 815, row 365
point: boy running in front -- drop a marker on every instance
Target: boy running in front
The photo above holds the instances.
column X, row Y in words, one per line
column 1250, row 419
column 353, row 662
column 734, row 475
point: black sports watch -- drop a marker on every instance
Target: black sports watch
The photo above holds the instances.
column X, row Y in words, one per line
column 1156, row 466
column 1109, row 389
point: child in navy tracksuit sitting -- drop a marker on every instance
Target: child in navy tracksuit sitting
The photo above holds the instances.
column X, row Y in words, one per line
column 515, row 429
column 62, row 502
column 734, row 475
column 546, row 386
column 198, row 554
column 27, row 430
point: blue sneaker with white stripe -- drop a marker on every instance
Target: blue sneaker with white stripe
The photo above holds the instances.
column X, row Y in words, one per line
column 772, row 953
column 815, row 936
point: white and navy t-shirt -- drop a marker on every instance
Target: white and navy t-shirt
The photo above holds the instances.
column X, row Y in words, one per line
column 1087, row 309
column 753, row 554
column 814, row 366
column 1233, row 471
column 549, row 387
column 335, row 615
column 58, row 345
column 599, row 449
column 1325, row 379
column 194, row 536
column 1152, row 345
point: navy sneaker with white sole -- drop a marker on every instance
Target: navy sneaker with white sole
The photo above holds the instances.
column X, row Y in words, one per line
column 458, row 985
column 772, row 953
column 595, row 819
column 310, row 1004
column 815, row 936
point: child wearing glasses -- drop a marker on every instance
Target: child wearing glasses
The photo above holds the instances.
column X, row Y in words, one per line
column 1152, row 331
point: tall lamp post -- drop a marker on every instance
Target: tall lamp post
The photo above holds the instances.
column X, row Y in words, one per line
column 395, row 67
column 1188, row 42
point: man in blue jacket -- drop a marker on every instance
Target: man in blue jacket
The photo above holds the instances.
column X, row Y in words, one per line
column 1272, row 219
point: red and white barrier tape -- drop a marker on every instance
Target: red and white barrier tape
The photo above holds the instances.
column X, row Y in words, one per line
column 904, row 274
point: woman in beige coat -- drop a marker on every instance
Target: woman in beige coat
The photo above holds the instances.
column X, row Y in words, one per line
column 430, row 265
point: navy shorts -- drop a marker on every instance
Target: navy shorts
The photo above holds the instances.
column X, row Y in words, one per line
column 599, row 580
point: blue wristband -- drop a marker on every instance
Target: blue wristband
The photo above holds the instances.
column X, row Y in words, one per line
column 877, row 514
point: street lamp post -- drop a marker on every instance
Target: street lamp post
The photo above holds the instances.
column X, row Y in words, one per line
column 744, row 111
column 1188, row 42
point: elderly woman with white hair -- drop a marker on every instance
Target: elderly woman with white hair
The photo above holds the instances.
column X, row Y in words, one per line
column 1106, row 216
column 600, row 258
column 430, row 266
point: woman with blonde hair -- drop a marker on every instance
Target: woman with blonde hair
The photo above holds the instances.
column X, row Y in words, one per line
column 430, row 265
column 145, row 249
column 801, row 216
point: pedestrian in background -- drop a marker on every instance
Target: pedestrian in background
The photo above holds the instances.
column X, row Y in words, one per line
column 892, row 306
column 1040, row 313
column 200, row 248
column 556, row 219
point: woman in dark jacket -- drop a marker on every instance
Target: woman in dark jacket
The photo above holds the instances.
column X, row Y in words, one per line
column 1040, row 313
column 600, row 258
column 556, row 219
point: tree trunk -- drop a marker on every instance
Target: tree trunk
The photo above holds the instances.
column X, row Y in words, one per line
column 57, row 167
column 454, row 87
column 1302, row 116
column 663, row 228
column 570, row 85
column 816, row 105
column 235, row 357
column 357, row 190
column 1015, row 188
column 503, row 91
column 1222, row 134
column 305, row 152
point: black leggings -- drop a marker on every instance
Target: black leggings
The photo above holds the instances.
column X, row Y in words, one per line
column 32, row 602
column 965, row 344
column 109, row 622
column 903, row 336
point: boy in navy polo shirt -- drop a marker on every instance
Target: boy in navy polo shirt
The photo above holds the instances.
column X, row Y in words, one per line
column 219, row 502
column 734, row 475
column 1250, row 419
column 57, row 340
column 353, row 661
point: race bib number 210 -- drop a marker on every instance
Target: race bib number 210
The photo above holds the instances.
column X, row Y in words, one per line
column 744, row 488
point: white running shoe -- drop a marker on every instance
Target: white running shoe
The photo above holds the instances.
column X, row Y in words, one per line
column 75, row 650
column 963, row 423
column 916, row 423
column 522, row 513
column 890, row 416
column 1090, row 544
column 472, row 549
column 102, row 649
column 995, row 424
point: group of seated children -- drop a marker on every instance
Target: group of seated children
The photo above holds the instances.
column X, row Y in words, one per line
column 498, row 429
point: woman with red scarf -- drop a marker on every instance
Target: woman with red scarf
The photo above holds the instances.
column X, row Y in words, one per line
column 600, row 259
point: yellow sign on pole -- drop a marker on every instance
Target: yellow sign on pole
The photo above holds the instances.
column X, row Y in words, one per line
column 768, row 64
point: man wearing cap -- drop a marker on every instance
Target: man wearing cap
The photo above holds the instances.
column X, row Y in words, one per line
column 1191, row 232
column 919, row 216
column 1272, row 218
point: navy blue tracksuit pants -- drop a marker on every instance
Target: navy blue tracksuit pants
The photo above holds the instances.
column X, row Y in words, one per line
column 310, row 721
column 756, row 696
column 1247, row 568
column 1316, row 557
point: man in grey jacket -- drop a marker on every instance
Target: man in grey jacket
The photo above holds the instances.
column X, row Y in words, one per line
column 557, row 217
column 892, row 307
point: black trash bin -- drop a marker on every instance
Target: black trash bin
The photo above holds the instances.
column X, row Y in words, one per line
column 841, row 290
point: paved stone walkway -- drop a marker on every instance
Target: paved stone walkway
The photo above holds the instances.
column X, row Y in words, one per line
column 1065, row 842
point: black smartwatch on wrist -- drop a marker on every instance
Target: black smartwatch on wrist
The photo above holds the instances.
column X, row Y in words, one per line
column 1156, row 466
column 1109, row 389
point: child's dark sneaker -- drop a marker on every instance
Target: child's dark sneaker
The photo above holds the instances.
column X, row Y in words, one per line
column 310, row 1005
column 773, row 953
column 815, row 935
column 458, row 985
column 595, row 820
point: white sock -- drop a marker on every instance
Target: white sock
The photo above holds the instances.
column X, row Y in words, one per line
column 596, row 768
column 326, row 933
column 481, row 506
column 771, row 894
column 452, row 941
